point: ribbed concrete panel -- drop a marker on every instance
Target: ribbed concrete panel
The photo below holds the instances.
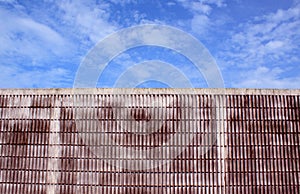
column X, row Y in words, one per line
column 51, row 141
column 263, row 144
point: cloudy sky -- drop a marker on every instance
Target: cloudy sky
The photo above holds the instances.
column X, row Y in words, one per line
column 255, row 43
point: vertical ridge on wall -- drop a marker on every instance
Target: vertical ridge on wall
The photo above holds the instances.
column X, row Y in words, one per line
column 261, row 148
column 54, row 148
column 70, row 143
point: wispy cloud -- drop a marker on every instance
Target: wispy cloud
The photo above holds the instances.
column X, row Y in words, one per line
column 40, row 51
column 23, row 36
column 267, row 38
column 264, row 77
column 7, row 1
column 153, row 35
column 15, row 76
column 201, row 22
column 48, row 40
column 269, row 42
column 31, row 52
column 91, row 20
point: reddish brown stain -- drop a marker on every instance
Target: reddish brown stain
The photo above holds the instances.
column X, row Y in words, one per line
column 68, row 161
column 21, row 138
column 140, row 114
column 262, row 150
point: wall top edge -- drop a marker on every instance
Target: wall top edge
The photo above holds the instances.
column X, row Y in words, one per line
column 209, row 91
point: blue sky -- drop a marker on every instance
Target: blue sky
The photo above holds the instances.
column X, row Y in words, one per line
column 256, row 43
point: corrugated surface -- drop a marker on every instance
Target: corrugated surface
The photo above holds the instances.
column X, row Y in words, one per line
column 263, row 144
column 43, row 150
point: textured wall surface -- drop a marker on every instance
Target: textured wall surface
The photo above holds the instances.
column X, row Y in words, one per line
column 51, row 141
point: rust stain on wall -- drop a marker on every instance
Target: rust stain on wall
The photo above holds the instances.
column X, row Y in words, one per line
column 261, row 133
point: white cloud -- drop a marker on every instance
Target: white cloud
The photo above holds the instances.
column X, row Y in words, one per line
column 31, row 51
column 23, row 36
column 171, row 3
column 18, row 77
column 283, row 15
column 123, row 2
column 264, row 77
column 266, row 39
column 90, row 20
column 7, row 1
column 263, row 52
column 201, row 22
column 202, row 6
column 219, row 3
column 272, row 45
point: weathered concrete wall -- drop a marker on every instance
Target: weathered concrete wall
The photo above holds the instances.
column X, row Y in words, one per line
column 51, row 141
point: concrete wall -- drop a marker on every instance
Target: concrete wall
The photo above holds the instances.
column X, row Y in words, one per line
column 149, row 140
